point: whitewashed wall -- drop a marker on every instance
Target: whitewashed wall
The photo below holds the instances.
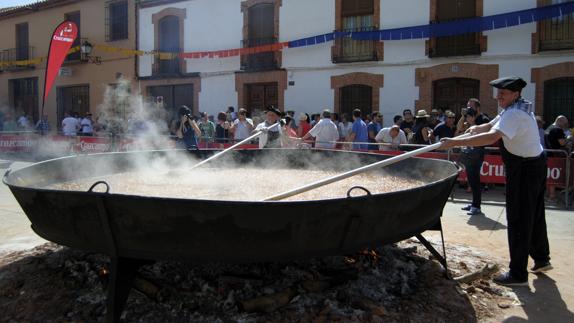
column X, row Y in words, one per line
column 311, row 67
column 204, row 30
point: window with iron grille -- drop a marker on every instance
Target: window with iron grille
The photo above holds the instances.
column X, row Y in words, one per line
column 356, row 97
column 116, row 20
column 556, row 33
column 74, row 100
column 465, row 44
column 356, row 16
column 24, row 96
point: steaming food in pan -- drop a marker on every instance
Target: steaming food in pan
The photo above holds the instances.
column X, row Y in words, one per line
column 239, row 184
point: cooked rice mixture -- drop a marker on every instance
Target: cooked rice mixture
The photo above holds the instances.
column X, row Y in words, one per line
column 239, row 184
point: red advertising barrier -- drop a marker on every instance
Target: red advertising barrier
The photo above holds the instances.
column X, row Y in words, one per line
column 17, row 143
column 492, row 171
column 92, row 145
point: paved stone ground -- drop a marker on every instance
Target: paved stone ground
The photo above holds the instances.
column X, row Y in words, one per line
column 549, row 298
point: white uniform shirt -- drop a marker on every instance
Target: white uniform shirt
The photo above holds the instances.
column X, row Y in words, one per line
column 384, row 136
column 69, row 126
column 519, row 132
column 263, row 136
column 324, row 132
column 241, row 130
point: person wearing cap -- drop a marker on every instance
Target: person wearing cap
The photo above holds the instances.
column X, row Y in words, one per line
column 392, row 137
column 525, row 168
column 187, row 130
column 446, row 128
column 325, row 132
column 421, row 130
column 270, row 138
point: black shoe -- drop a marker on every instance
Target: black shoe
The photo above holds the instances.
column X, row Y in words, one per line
column 474, row 211
column 541, row 267
column 506, row 279
column 466, row 208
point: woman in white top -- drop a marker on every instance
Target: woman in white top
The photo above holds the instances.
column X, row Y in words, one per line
column 525, row 168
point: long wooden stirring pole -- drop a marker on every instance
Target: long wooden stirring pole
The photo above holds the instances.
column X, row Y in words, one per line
column 253, row 136
column 353, row 172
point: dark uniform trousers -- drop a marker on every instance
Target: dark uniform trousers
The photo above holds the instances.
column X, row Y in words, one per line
column 525, row 187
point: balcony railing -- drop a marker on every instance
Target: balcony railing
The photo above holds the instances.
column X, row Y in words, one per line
column 259, row 61
column 557, row 33
column 348, row 50
column 461, row 45
column 168, row 67
column 17, row 54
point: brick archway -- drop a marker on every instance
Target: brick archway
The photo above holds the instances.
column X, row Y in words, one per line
column 424, row 78
column 546, row 73
column 375, row 81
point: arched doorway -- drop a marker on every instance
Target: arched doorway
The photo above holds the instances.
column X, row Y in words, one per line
column 356, row 96
column 453, row 93
column 559, row 99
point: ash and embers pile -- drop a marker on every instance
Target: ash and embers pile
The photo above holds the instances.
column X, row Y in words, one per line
column 392, row 283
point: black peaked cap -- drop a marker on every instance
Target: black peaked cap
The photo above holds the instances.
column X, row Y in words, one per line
column 512, row 83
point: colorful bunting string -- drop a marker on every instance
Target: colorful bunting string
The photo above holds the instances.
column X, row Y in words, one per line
column 452, row 28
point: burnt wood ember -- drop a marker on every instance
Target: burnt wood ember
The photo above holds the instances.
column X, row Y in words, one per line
column 51, row 283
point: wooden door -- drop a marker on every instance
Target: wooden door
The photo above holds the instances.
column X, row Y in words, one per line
column 260, row 96
column 22, row 47
column 453, row 94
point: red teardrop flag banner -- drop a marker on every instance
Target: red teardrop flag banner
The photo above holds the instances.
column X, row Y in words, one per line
column 61, row 42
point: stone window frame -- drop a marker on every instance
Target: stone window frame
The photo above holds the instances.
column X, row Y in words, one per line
column 245, row 5
column 380, row 45
column 539, row 75
column 484, row 73
column 181, row 14
column 431, row 43
column 244, row 79
column 375, row 81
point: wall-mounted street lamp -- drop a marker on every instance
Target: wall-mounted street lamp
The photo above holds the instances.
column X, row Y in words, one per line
column 86, row 49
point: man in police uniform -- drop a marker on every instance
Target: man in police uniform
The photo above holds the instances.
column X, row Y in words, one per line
column 525, row 165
